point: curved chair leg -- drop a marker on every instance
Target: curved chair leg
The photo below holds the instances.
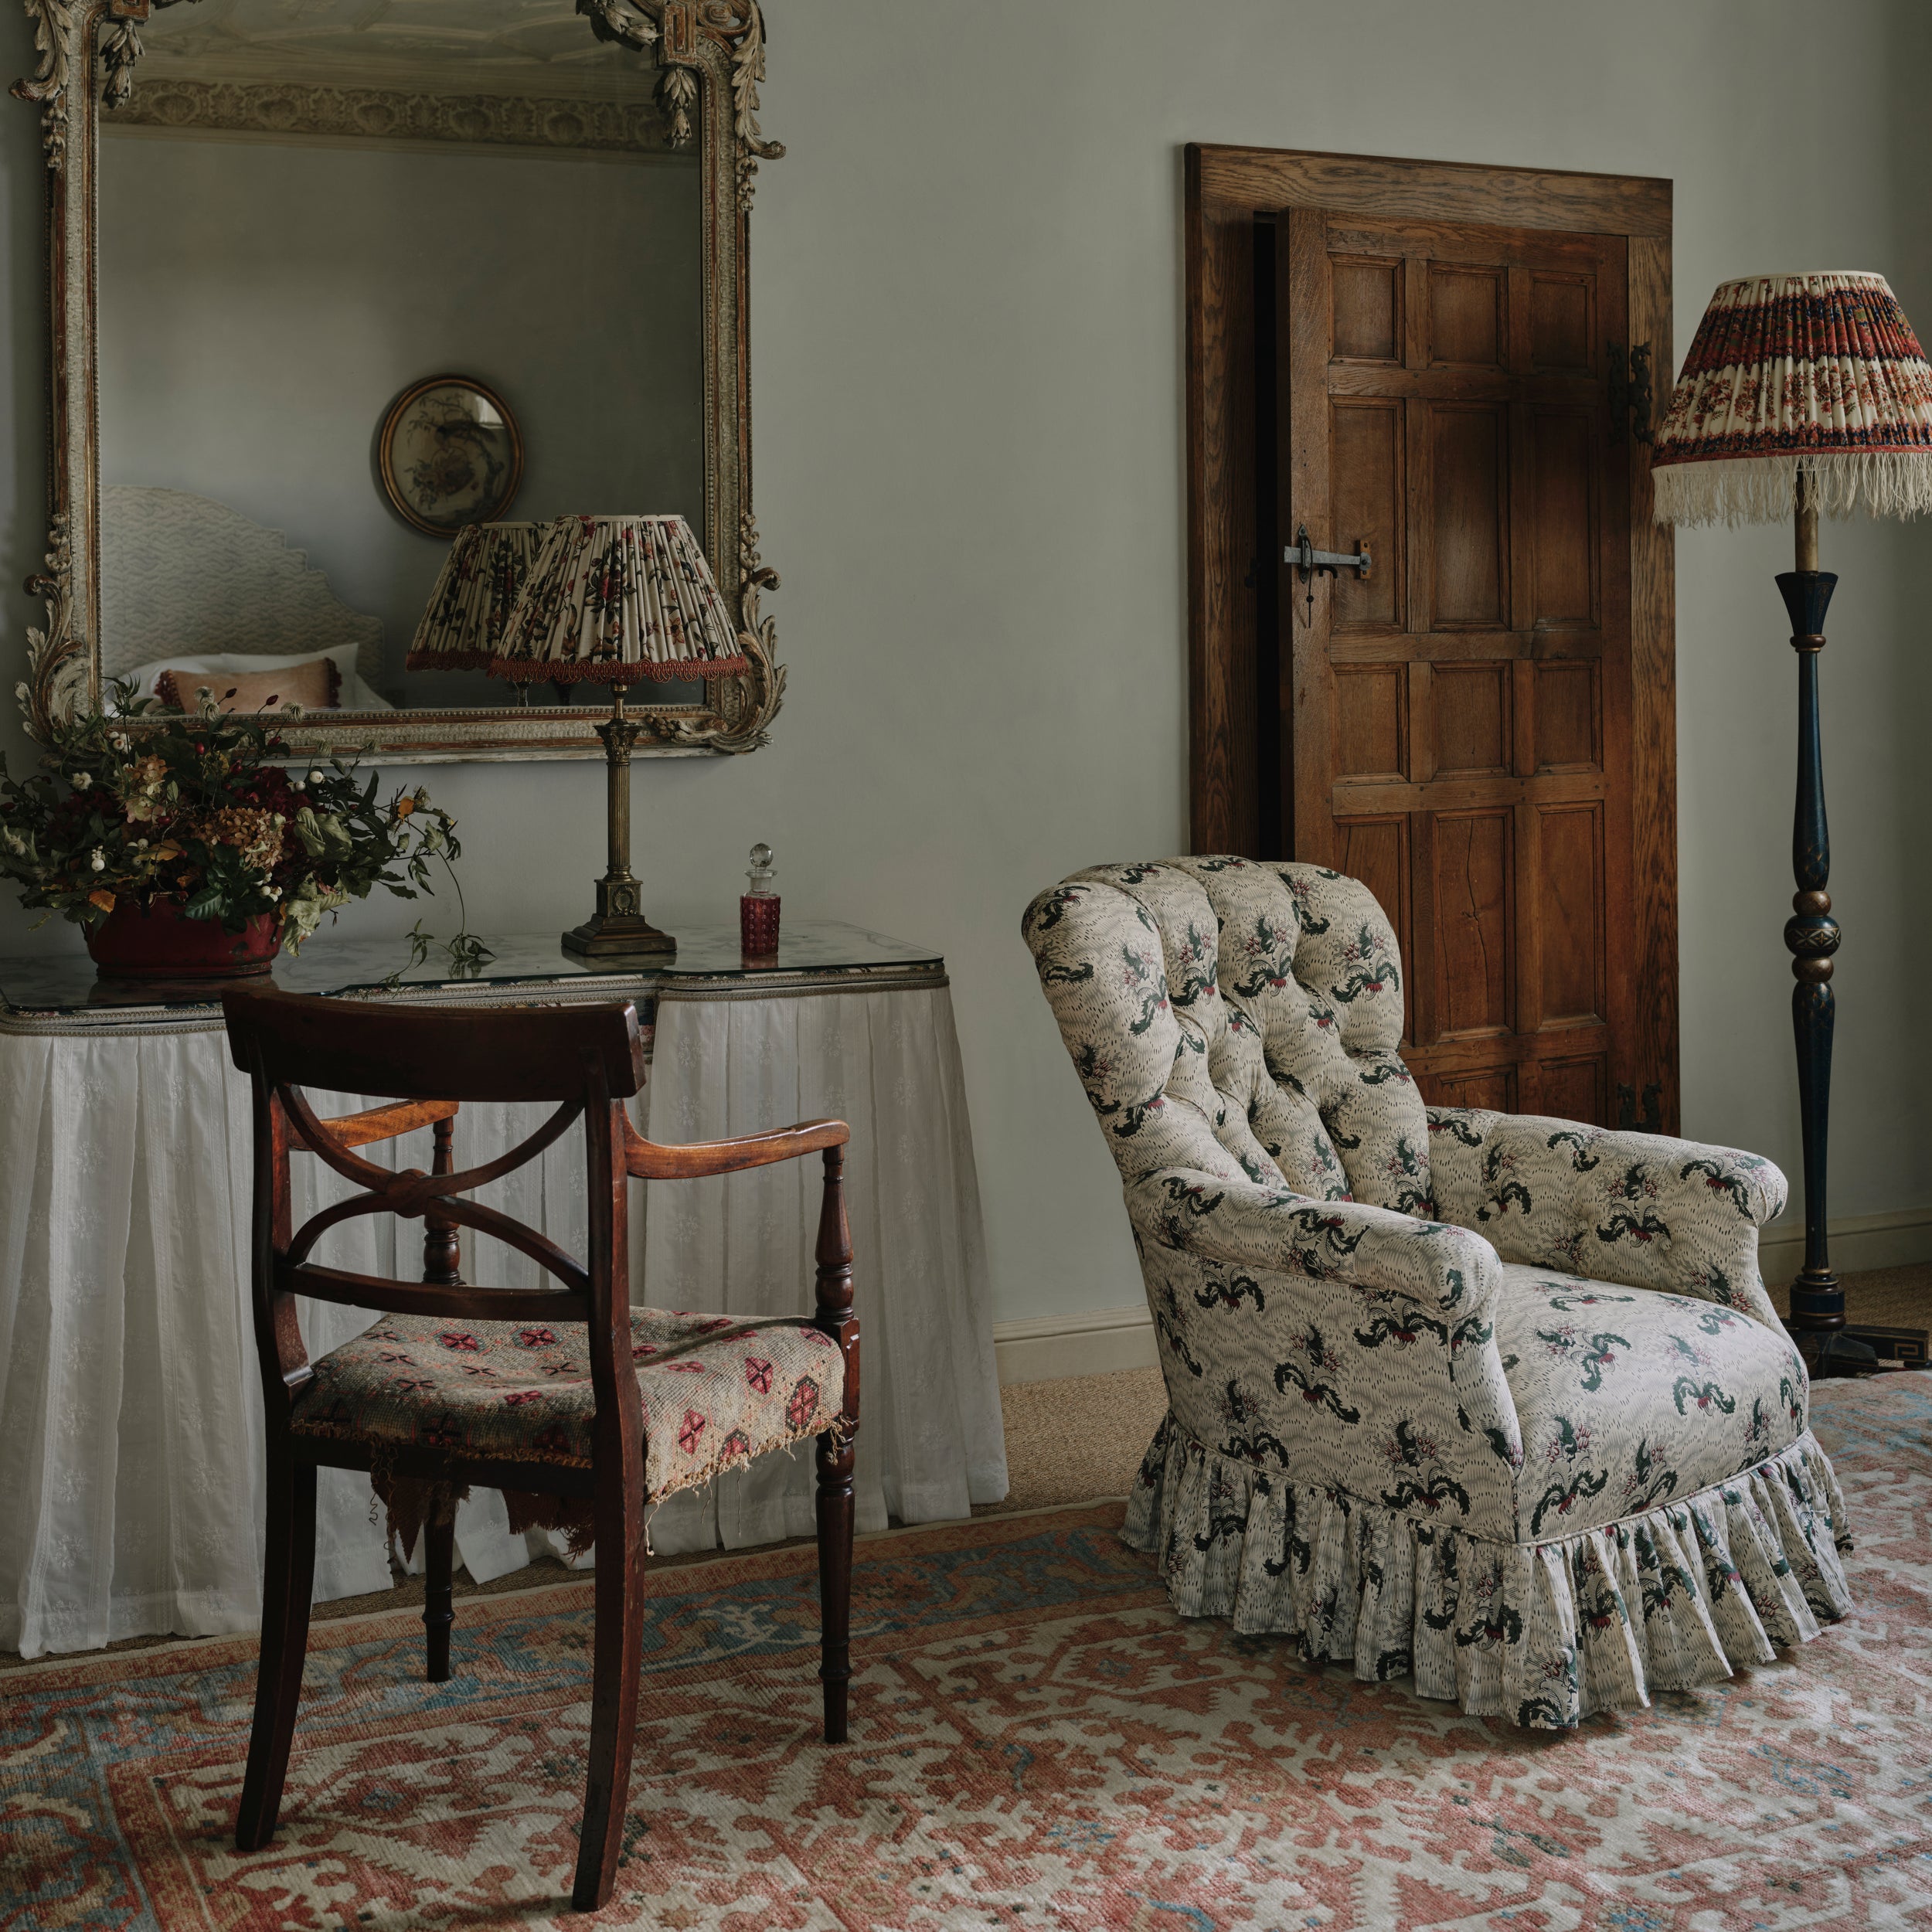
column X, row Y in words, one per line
column 834, row 1575
column 619, row 1644
column 287, row 1584
column 439, row 1559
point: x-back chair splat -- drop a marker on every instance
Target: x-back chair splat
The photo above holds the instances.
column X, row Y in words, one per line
column 372, row 1405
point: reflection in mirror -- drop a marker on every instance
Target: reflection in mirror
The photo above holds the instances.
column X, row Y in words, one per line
column 316, row 213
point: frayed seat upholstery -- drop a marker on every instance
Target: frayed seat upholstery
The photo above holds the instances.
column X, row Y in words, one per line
column 715, row 1391
column 1498, row 1400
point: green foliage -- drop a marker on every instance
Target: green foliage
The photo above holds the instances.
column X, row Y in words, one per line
column 134, row 804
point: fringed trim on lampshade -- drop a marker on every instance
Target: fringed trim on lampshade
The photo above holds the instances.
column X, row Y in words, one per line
column 1755, row 490
column 1819, row 372
column 627, row 670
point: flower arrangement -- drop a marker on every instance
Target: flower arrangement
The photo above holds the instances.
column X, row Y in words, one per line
column 192, row 810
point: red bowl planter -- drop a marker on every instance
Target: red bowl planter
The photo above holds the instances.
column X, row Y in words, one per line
column 161, row 942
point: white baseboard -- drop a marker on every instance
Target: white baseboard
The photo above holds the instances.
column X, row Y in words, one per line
column 1096, row 1341
column 1100, row 1341
column 1898, row 1239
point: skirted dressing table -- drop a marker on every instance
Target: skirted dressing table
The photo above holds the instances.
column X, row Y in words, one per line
column 129, row 1443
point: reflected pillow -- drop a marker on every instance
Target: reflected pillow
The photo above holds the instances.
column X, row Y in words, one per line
column 315, row 683
column 218, row 670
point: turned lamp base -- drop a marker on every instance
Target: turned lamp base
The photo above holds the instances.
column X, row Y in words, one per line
column 616, row 939
column 1859, row 1348
column 617, row 932
column 1828, row 1343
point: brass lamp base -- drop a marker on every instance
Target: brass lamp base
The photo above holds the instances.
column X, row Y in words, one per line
column 617, row 932
column 616, row 940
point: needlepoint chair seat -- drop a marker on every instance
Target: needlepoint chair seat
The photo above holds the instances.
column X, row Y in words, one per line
column 716, row 1391
column 1497, row 1401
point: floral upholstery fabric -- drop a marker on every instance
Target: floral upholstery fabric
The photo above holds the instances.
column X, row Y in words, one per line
column 1546, row 1452
column 1263, row 1003
column 716, row 1391
column 1637, row 1208
column 1626, row 1398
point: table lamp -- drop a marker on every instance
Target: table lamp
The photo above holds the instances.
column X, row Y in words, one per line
column 615, row 599
column 1803, row 393
column 480, row 581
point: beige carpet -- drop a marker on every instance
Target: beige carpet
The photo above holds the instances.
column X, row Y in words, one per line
column 1072, row 1441
column 1894, row 1297
column 1075, row 1440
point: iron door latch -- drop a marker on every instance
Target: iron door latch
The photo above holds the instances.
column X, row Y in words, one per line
column 1309, row 563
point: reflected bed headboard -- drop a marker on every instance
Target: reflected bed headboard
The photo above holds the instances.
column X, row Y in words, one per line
column 181, row 573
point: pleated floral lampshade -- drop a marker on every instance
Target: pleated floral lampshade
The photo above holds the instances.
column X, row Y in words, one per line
column 482, row 578
column 1821, row 372
column 615, row 599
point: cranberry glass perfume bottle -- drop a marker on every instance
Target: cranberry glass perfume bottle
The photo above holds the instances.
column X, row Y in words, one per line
column 758, row 909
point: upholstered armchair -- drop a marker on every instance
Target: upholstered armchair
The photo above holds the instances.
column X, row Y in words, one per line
column 1496, row 1401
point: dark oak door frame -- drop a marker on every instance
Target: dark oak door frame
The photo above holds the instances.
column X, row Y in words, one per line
column 1228, row 190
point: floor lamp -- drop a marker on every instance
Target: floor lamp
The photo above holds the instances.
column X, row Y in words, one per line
column 1803, row 393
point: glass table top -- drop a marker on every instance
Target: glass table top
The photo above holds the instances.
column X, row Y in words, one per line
column 811, row 954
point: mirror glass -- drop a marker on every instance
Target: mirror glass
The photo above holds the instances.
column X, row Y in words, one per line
column 369, row 270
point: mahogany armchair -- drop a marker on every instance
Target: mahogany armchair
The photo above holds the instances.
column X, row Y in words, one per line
column 580, row 1409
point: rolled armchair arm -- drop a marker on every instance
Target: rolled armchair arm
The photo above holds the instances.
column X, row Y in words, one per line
column 1637, row 1209
column 1270, row 1229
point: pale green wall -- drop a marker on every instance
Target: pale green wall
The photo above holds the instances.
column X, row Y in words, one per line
column 967, row 304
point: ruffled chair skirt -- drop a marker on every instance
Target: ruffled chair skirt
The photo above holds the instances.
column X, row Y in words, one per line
column 1539, row 1633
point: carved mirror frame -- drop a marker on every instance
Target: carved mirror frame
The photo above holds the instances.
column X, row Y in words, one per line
column 711, row 54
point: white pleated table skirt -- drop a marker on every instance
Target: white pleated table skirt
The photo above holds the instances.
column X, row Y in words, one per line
column 130, row 1433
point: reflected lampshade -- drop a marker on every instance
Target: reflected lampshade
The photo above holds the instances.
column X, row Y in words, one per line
column 1820, row 372
column 615, row 599
column 488, row 566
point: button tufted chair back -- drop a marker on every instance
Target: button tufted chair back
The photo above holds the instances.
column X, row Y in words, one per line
column 1237, row 1017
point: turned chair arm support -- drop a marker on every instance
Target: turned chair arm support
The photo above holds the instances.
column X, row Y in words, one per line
column 654, row 1161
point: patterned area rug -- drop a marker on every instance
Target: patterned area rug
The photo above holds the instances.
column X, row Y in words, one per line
column 1037, row 1741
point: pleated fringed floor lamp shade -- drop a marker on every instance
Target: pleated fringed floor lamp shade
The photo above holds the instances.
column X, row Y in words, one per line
column 1817, row 372
column 614, row 600
column 481, row 580
column 1803, row 393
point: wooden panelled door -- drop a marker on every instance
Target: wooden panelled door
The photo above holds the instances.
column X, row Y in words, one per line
column 1459, row 726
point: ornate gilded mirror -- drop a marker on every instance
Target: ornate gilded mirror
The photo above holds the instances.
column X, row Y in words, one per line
column 330, row 280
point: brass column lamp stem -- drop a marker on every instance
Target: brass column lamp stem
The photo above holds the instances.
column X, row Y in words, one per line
column 619, row 734
column 1806, row 523
column 618, row 930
